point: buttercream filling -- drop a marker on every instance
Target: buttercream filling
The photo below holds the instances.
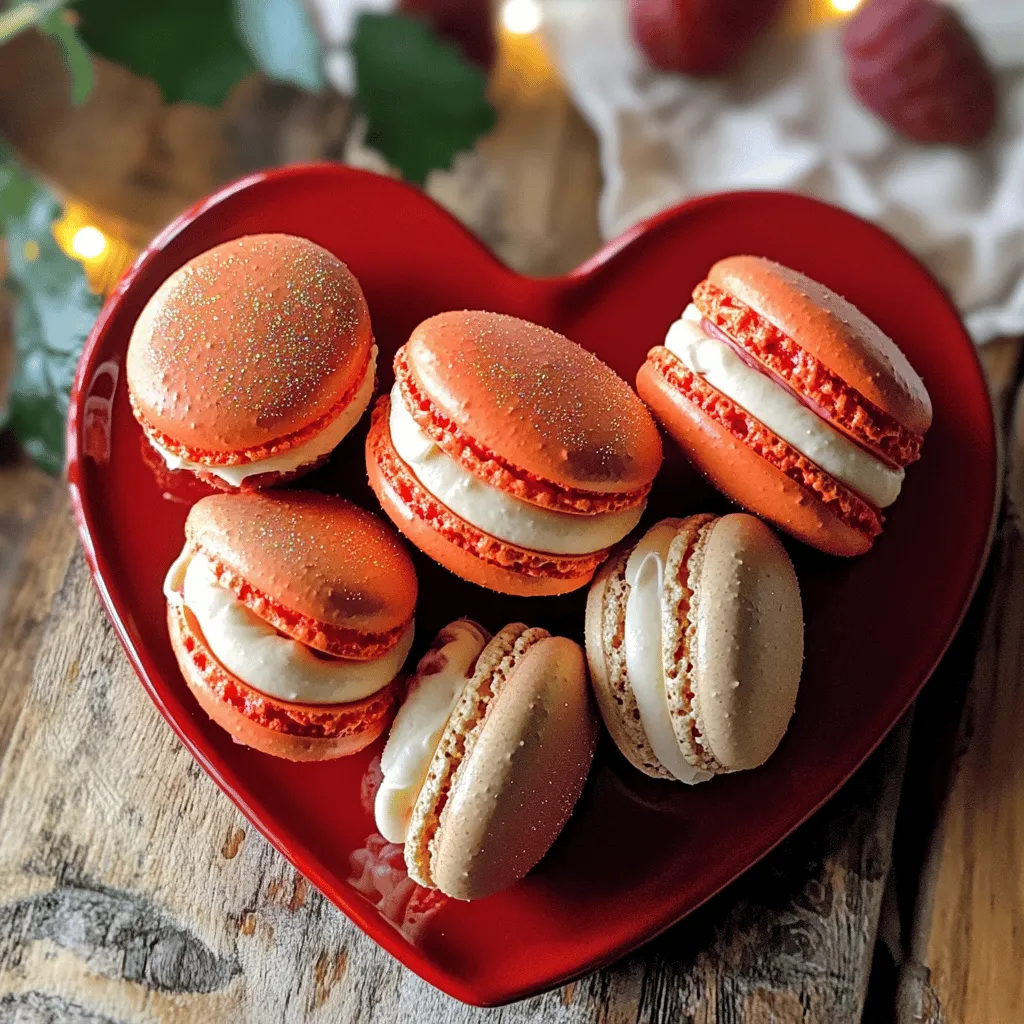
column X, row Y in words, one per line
column 494, row 512
column 645, row 609
column 781, row 411
column 435, row 689
column 289, row 461
column 254, row 651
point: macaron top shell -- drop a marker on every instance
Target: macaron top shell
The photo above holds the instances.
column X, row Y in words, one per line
column 517, row 788
column 832, row 330
column 534, row 400
column 312, row 558
column 249, row 345
column 749, row 650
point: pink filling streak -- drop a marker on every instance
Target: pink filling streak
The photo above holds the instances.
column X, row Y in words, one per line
column 714, row 331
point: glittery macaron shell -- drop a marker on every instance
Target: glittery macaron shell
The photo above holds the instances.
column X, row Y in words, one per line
column 521, row 776
column 832, row 330
column 247, row 343
column 749, row 648
column 316, row 556
column 537, row 400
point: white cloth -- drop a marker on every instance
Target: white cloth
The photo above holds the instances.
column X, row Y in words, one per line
column 788, row 120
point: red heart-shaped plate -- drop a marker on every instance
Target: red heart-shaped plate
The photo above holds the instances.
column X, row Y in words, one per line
column 638, row 854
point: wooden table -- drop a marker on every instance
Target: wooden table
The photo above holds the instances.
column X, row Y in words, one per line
column 132, row 890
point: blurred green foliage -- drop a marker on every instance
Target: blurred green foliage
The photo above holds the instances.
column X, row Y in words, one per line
column 54, row 312
column 423, row 102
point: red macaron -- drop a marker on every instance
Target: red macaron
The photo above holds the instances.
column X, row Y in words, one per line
column 790, row 401
column 291, row 615
column 509, row 454
column 250, row 363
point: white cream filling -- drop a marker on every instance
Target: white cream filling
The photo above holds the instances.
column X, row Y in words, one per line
column 253, row 650
column 294, row 458
column 645, row 571
column 781, row 412
column 440, row 679
column 501, row 515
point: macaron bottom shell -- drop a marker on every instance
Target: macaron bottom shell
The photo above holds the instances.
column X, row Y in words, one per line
column 605, row 640
column 746, row 475
column 185, row 483
column 456, row 544
column 295, row 732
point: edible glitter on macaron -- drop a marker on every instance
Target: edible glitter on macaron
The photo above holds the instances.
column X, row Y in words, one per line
column 249, row 347
column 310, row 558
column 530, row 411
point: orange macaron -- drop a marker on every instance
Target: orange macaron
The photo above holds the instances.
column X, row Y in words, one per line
column 790, row 401
column 291, row 616
column 251, row 362
column 509, row 454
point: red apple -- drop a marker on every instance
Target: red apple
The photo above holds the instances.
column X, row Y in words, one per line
column 467, row 23
column 699, row 37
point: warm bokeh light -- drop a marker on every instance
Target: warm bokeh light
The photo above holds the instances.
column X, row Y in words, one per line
column 102, row 251
column 846, row 6
column 521, row 17
column 89, row 243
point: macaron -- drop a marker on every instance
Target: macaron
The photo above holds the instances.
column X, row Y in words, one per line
column 509, row 454
column 487, row 757
column 251, row 362
column 291, row 616
column 790, row 401
column 695, row 643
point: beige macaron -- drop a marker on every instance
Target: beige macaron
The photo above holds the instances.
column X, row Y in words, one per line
column 509, row 767
column 695, row 641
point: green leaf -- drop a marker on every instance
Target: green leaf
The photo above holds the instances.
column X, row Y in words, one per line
column 77, row 58
column 38, row 423
column 280, row 37
column 190, row 48
column 54, row 311
column 423, row 101
column 16, row 187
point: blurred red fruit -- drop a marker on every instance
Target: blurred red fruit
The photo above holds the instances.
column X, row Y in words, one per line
column 914, row 63
column 699, row 37
column 467, row 23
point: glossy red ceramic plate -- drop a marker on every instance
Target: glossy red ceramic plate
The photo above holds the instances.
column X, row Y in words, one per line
column 638, row 854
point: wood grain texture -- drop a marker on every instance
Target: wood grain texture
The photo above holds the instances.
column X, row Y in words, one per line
column 968, row 940
column 36, row 541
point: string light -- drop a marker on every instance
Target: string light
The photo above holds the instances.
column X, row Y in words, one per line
column 104, row 256
column 846, row 6
column 89, row 243
column 521, row 17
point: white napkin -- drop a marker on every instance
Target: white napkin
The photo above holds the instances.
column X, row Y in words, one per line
column 787, row 120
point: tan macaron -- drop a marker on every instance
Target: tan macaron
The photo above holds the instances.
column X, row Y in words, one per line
column 509, row 767
column 695, row 642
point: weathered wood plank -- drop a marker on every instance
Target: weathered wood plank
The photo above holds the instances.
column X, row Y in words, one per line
column 969, row 927
column 36, row 541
